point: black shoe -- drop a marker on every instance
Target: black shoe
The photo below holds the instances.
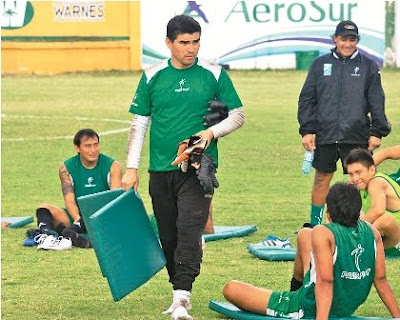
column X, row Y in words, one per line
column 77, row 239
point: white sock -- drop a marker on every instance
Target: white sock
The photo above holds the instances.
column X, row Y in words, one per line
column 181, row 295
column 178, row 295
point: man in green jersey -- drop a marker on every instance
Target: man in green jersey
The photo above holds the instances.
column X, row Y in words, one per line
column 380, row 196
column 89, row 171
column 175, row 93
column 346, row 256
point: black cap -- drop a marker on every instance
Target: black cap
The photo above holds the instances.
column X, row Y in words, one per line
column 346, row 28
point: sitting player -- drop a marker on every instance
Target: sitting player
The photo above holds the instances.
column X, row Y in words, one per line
column 380, row 197
column 346, row 257
column 89, row 171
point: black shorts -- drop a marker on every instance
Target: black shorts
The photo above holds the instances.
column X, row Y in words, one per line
column 326, row 156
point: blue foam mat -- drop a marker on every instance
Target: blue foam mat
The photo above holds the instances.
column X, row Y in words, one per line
column 90, row 204
column 226, row 232
column 229, row 310
column 263, row 252
column 125, row 244
column 17, row 222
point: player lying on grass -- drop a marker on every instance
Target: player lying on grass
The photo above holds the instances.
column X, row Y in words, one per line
column 346, row 256
column 89, row 171
column 380, row 198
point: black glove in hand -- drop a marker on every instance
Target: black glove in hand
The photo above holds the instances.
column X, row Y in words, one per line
column 218, row 111
column 206, row 174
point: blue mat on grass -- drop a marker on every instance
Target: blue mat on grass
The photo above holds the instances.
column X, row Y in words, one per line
column 90, row 204
column 229, row 310
column 17, row 222
column 226, row 232
column 126, row 247
column 263, row 252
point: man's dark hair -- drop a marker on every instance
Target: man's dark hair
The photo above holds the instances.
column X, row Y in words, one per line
column 359, row 155
column 344, row 204
column 85, row 133
column 182, row 24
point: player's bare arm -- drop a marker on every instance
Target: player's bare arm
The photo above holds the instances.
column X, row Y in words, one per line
column 380, row 282
column 67, row 189
column 115, row 175
column 388, row 153
column 323, row 242
column 376, row 190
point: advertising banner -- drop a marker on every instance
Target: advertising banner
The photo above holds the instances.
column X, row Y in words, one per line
column 261, row 34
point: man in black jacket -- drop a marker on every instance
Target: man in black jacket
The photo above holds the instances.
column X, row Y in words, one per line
column 341, row 107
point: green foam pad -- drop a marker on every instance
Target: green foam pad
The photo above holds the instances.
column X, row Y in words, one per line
column 125, row 244
column 17, row 222
column 226, row 232
column 91, row 203
column 233, row 312
column 271, row 253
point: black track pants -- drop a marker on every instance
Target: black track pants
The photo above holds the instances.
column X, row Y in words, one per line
column 181, row 210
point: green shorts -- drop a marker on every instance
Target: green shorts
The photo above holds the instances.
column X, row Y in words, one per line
column 285, row 304
column 71, row 221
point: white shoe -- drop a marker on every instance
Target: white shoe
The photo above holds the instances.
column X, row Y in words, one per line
column 275, row 242
column 175, row 305
column 180, row 310
column 58, row 244
column 44, row 240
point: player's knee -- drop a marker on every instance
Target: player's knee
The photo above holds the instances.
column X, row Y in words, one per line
column 304, row 234
column 44, row 206
column 230, row 289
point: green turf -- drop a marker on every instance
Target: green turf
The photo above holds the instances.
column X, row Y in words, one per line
column 260, row 183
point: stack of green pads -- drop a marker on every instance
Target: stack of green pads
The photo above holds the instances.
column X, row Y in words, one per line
column 127, row 249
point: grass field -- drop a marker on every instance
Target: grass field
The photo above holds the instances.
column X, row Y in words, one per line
column 260, row 183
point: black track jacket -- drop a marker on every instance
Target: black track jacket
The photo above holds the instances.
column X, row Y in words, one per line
column 342, row 100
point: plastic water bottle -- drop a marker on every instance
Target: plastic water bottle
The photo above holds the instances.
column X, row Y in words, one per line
column 307, row 162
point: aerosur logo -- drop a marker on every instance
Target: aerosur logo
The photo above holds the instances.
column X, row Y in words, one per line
column 193, row 10
column 15, row 14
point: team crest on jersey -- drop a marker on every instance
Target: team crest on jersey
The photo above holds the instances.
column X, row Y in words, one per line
column 357, row 253
column 182, row 86
column 356, row 72
column 90, row 183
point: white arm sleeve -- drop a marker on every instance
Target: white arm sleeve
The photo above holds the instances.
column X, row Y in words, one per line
column 136, row 136
column 235, row 120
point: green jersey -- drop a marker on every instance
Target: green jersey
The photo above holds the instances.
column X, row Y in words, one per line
column 88, row 181
column 353, row 270
column 366, row 199
column 177, row 100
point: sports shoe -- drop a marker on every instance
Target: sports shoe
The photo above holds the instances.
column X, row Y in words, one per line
column 272, row 241
column 30, row 237
column 174, row 305
column 58, row 244
column 180, row 310
column 44, row 240
column 77, row 239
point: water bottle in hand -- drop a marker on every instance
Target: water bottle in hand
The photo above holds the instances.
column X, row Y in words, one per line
column 307, row 162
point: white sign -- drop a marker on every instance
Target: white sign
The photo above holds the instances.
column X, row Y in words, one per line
column 263, row 33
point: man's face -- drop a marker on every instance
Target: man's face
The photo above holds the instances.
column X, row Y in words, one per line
column 89, row 149
column 345, row 46
column 184, row 49
column 360, row 175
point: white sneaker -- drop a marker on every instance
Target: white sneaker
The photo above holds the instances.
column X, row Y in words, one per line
column 174, row 305
column 61, row 244
column 44, row 240
column 180, row 311
column 272, row 241
column 58, row 244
